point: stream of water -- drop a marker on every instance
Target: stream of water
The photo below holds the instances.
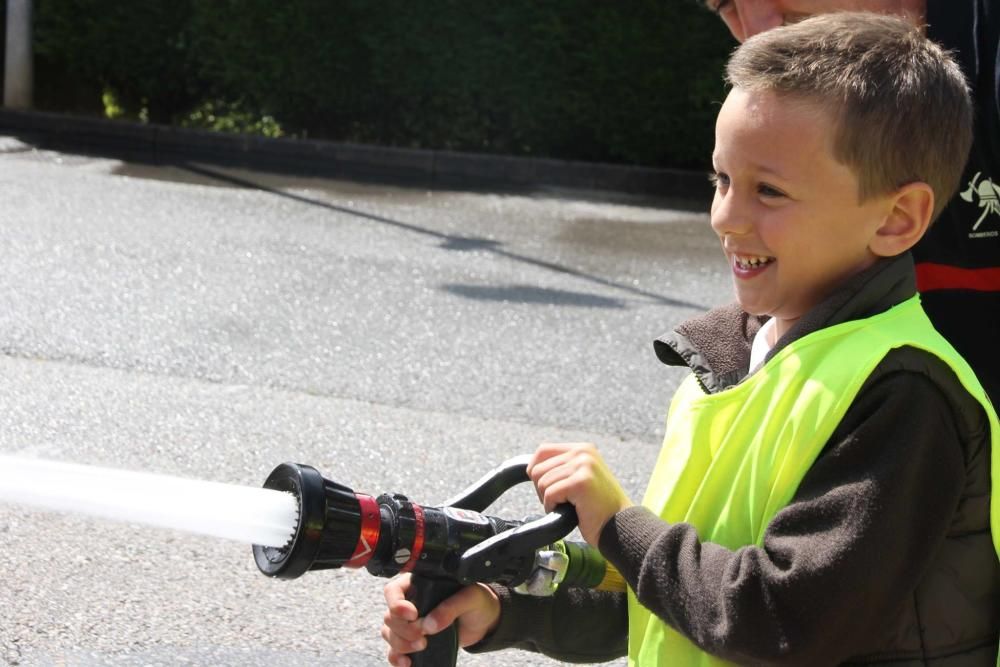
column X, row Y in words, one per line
column 246, row 514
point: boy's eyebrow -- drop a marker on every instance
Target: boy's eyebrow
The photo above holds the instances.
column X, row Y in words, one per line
column 758, row 167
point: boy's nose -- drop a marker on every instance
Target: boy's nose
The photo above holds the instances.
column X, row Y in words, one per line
column 728, row 217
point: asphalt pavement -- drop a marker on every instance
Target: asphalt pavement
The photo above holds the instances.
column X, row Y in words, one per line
column 212, row 323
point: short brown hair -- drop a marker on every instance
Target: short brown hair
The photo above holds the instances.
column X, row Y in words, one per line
column 902, row 105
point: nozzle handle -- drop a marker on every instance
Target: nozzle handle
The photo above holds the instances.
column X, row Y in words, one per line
column 442, row 648
column 488, row 559
column 480, row 494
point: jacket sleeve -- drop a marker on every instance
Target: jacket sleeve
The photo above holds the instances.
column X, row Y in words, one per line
column 572, row 626
column 841, row 557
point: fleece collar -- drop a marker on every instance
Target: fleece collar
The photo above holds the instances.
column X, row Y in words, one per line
column 716, row 345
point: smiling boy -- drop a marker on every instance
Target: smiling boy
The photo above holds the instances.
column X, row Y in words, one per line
column 788, row 213
column 822, row 495
column 958, row 260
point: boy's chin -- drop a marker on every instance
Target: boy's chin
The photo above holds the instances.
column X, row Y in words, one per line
column 752, row 308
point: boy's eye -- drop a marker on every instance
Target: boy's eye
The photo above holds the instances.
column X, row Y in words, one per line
column 765, row 190
column 718, row 180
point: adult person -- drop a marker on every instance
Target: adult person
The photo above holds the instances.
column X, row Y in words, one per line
column 958, row 260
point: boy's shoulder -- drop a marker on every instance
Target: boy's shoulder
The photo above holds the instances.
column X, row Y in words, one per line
column 914, row 377
column 716, row 345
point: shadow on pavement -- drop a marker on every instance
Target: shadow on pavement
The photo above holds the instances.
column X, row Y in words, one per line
column 534, row 295
column 460, row 243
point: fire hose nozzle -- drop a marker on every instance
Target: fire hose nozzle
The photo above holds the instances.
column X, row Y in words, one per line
column 444, row 547
column 387, row 535
column 329, row 523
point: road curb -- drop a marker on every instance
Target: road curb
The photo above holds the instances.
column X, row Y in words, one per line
column 432, row 169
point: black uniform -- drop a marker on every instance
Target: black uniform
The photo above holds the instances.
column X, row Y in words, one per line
column 958, row 262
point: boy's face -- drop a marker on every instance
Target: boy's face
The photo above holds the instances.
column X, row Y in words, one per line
column 746, row 18
column 787, row 213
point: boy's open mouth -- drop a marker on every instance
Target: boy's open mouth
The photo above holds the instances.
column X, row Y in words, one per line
column 750, row 262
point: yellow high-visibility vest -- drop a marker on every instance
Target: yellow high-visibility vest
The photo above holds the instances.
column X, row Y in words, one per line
column 731, row 460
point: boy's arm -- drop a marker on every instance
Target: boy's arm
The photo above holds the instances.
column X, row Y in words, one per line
column 837, row 562
column 573, row 626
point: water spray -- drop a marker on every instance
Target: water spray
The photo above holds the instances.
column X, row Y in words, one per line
column 301, row 521
column 445, row 547
column 250, row 515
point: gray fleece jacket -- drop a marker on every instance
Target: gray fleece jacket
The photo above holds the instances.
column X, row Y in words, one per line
column 884, row 555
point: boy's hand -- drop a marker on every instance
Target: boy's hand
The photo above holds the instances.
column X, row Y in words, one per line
column 576, row 473
column 475, row 607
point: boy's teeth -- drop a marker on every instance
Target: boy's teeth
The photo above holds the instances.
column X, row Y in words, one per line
column 752, row 262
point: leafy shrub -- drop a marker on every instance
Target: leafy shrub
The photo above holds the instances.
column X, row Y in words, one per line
column 634, row 81
column 139, row 51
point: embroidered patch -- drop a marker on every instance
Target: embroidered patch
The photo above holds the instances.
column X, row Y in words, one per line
column 986, row 195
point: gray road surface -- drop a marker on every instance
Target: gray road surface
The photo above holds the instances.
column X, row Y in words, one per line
column 213, row 323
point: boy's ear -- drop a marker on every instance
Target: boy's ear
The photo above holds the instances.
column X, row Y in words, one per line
column 909, row 214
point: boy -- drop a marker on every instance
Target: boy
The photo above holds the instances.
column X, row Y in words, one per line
column 958, row 260
column 823, row 492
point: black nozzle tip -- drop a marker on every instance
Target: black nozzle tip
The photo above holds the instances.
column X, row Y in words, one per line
column 296, row 557
column 328, row 528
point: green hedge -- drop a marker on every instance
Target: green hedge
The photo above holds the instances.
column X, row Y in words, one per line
column 632, row 81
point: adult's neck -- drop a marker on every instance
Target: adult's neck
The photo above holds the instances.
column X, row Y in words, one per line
column 916, row 10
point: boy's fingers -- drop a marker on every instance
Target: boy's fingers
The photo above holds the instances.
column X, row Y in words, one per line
column 400, row 629
column 400, row 644
column 395, row 598
column 558, row 492
column 403, row 610
column 397, row 659
column 407, row 631
column 451, row 608
column 552, row 455
column 545, row 452
column 539, row 469
column 551, row 487
column 395, row 588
